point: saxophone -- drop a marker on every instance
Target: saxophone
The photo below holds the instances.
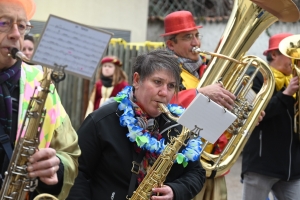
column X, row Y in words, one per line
column 161, row 167
column 247, row 21
column 16, row 183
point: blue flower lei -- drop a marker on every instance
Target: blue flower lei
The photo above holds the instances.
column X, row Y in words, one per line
column 145, row 140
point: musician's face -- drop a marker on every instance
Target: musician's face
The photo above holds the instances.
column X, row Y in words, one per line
column 156, row 88
column 183, row 43
column 11, row 37
column 282, row 63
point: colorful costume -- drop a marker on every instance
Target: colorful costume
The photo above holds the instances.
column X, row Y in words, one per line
column 103, row 93
column 107, row 87
column 57, row 131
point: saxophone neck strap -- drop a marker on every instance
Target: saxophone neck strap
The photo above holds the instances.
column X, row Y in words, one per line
column 5, row 142
column 135, row 171
column 7, row 147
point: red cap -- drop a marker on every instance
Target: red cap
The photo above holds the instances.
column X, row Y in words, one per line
column 28, row 5
column 275, row 40
column 111, row 59
column 179, row 21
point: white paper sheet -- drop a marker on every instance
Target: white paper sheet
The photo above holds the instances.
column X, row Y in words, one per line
column 68, row 43
column 207, row 115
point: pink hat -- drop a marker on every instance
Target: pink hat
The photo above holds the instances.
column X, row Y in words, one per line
column 28, row 5
column 275, row 40
column 179, row 21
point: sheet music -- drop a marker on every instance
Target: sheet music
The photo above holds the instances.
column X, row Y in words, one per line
column 207, row 115
column 78, row 46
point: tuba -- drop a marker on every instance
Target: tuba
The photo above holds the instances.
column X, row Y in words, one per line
column 16, row 183
column 247, row 21
column 290, row 47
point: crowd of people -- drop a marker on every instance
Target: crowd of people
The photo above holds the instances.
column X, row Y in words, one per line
column 126, row 130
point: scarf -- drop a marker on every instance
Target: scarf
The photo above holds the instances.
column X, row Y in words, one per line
column 106, row 81
column 150, row 125
column 8, row 80
column 191, row 66
column 281, row 80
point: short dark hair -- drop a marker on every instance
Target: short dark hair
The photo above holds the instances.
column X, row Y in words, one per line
column 146, row 64
column 29, row 37
column 269, row 55
column 171, row 37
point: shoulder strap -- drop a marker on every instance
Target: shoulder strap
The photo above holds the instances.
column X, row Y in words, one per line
column 5, row 142
column 6, row 145
column 135, row 171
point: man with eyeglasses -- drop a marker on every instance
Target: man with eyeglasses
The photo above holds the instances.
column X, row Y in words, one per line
column 181, row 35
column 54, row 165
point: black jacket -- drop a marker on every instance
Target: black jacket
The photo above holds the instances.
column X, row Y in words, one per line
column 106, row 161
column 273, row 148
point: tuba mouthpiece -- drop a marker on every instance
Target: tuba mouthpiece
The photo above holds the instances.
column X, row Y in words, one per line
column 198, row 50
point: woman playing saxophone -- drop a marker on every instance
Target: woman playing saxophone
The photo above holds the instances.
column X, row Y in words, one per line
column 122, row 139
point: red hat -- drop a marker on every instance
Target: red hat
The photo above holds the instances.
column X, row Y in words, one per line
column 179, row 21
column 28, row 5
column 275, row 40
column 111, row 59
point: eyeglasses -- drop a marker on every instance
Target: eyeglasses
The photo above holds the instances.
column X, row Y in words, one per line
column 6, row 25
column 190, row 37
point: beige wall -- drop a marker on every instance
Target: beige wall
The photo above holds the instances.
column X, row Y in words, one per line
column 128, row 15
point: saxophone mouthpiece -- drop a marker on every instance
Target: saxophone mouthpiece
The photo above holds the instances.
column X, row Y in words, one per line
column 17, row 54
column 13, row 53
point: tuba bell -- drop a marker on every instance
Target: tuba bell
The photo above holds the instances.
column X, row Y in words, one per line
column 290, row 47
column 247, row 21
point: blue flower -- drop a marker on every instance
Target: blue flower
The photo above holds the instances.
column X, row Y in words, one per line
column 152, row 145
column 190, row 154
column 175, row 109
column 134, row 131
column 126, row 120
column 195, row 144
column 126, row 91
column 161, row 146
column 125, row 103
